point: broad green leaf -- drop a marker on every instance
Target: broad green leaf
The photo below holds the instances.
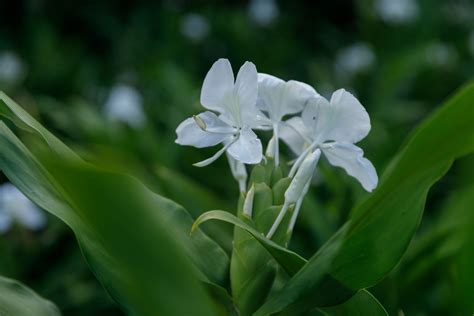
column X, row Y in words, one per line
column 302, row 293
column 381, row 228
column 361, row 304
column 133, row 239
column 18, row 300
column 289, row 260
column 22, row 119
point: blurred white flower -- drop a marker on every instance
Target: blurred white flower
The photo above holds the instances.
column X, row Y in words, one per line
column 440, row 54
column 334, row 126
column 397, row 11
column 278, row 98
column 263, row 12
column 125, row 104
column 16, row 207
column 355, row 58
column 235, row 102
column 11, row 67
column 194, row 26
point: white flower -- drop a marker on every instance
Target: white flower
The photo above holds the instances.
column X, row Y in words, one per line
column 334, row 127
column 195, row 27
column 263, row 12
column 277, row 99
column 12, row 69
column 397, row 11
column 235, row 102
column 125, row 104
column 16, row 207
column 355, row 58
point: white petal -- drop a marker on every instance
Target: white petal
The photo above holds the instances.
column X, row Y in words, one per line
column 355, row 115
column 248, row 148
column 246, row 86
column 270, row 89
column 343, row 119
column 304, row 90
column 310, row 115
column 351, row 158
column 189, row 133
column 279, row 98
column 218, row 84
column 291, row 132
column 297, row 96
column 211, row 159
column 214, row 124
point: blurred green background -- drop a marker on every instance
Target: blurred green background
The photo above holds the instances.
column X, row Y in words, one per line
column 113, row 79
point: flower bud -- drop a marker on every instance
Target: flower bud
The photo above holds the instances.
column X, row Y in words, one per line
column 248, row 202
column 302, row 176
column 270, row 153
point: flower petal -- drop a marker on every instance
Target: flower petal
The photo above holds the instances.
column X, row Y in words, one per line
column 218, row 84
column 270, row 90
column 214, row 124
column 297, row 96
column 248, row 148
column 342, row 119
column 246, row 86
column 291, row 132
column 351, row 158
column 355, row 116
column 211, row 159
column 304, row 90
column 190, row 134
column 279, row 98
column 311, row 118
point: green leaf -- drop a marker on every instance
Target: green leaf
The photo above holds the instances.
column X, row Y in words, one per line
column 302, row 293
column 361, row 304
column 289, row 260
column 380, row 229
column 22, row 119
column 136, row 242
column 18, row 300
column 252, row 270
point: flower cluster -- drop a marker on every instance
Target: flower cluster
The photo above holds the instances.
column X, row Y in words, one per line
column 294, row 112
